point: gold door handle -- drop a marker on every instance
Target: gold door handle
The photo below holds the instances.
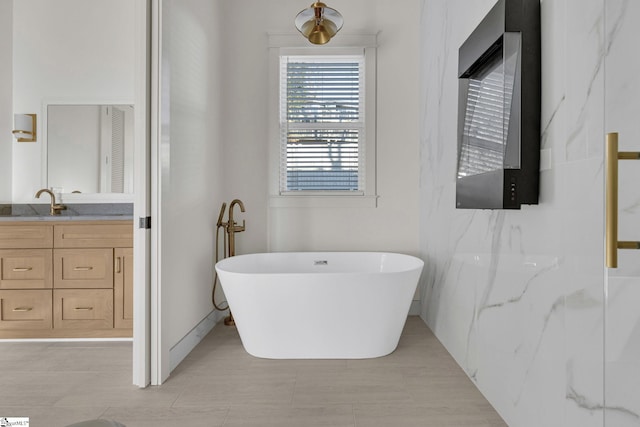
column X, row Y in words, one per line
column 611, row 158
column 83, row 308
column 118, row 265
column 22, row 269
column 82, row 268
column 23, row 309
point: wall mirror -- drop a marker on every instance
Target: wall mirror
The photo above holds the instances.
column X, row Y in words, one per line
column 89, row 148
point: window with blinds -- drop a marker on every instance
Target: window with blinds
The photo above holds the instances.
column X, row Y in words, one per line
column 322, row 124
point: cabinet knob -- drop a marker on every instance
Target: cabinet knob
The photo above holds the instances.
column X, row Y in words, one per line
column 22, row 269
column 23, row 309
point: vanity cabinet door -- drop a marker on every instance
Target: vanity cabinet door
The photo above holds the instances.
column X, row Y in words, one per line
column 26, row 269
column 123, row 288
column 25, row 309
column 83, row 268
column 83, row 309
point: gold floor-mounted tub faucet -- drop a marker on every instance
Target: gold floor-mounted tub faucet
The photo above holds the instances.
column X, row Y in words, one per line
column 231, row 228
column 55, row 207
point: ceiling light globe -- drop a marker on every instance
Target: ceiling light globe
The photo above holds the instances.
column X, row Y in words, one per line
column 319, row 23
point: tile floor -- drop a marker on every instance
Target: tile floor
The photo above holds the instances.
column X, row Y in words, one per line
column 218, row 384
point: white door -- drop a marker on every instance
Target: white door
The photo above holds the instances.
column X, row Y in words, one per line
column 142, row 204
column 622, row 284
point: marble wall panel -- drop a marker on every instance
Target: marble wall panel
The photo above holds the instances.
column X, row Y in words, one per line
column 622, row 373
column 517, row 296
column 622, row 322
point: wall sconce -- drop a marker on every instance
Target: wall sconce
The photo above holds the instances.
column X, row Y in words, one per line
column 319, row 23
column 25, row 125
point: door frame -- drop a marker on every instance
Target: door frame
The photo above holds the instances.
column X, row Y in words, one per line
column 143, row 180
column 150, row 359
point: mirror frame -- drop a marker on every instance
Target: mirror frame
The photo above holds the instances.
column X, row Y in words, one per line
column 44, row 134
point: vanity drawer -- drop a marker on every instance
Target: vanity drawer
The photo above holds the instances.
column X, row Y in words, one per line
column 83, row 308
column 83, row 268
column 25, row 309
column 26, row 236
column 26, row 269
column 94, row 236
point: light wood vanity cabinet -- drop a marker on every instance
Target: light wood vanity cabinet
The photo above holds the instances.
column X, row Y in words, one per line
column 83, row 268
column 66, row 279
column 24, row 311
column 123, row 288
column 26, row 269
column 26, row 236
column 83, row 309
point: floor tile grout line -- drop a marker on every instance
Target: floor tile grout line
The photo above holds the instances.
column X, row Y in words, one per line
column 353, row 413
column 226, row 416
column 179, row 395
column 104, row 412
column 295, row 387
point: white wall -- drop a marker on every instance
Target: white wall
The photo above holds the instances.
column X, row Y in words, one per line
column 6, row 110
column 191, row 174
column 67, row 50
column 517, row 296
column 392, row 226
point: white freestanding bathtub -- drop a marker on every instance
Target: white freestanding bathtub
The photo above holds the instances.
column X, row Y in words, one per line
column 320, row 305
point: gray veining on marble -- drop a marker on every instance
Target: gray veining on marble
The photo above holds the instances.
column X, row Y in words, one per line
column 544, row 135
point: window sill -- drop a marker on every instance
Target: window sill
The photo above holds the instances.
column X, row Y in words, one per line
column 323, row 201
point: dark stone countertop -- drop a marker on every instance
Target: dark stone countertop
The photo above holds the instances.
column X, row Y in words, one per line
column 74, row 212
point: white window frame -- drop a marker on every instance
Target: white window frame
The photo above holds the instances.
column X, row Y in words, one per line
column 344, row 44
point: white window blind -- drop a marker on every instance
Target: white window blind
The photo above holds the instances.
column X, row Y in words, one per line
column 322, row 123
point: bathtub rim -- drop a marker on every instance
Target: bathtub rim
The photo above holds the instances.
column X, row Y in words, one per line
column 417, row 263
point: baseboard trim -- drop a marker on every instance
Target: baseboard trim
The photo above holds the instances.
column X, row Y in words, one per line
column 178, row 352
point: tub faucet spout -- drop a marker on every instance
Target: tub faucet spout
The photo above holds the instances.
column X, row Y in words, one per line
column 232, row 226
column 55, row 207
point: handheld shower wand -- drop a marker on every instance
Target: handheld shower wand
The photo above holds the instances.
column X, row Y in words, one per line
column 219, row 225
column 222, row 209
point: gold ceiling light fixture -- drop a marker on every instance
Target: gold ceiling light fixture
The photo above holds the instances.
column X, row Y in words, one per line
column 319, row 23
